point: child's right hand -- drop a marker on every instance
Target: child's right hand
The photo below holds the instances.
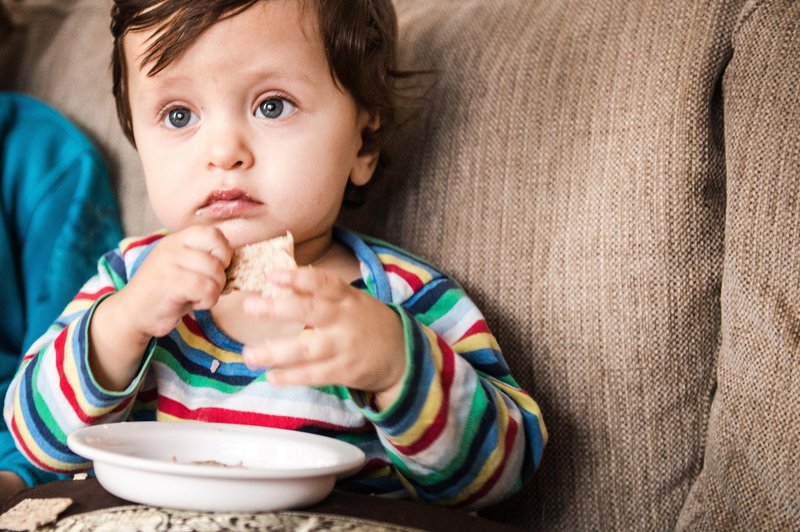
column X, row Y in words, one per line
column 184, row 271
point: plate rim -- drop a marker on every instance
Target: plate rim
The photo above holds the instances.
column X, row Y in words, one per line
column 352, row 456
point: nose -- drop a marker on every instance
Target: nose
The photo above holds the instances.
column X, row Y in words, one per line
column 229, row 149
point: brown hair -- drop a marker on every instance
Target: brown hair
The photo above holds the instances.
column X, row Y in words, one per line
column 6, row 26
column 359, row 36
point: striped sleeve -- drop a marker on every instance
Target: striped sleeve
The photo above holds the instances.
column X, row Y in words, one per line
column 462, row 432
column 53, row 392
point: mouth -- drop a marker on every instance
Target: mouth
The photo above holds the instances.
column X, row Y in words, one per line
column 225, row 204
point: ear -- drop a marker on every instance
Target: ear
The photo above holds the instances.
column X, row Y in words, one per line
column 366, row 159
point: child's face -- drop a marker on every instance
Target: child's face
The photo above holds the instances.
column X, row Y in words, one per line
column 247, row 129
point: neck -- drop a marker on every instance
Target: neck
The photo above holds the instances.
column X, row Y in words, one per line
column 327, row 254
column 313, row 250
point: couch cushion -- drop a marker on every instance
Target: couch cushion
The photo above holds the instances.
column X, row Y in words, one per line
column 569, row 168
column 61, row 54
column 751, row 476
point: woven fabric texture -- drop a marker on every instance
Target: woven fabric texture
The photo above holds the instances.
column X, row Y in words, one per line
column 751, row 477
column 617, row 184
column 570, row 167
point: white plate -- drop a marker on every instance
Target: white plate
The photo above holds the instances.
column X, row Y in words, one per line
column 265, row 469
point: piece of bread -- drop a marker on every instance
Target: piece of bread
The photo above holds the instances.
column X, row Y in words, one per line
column 249, row 269
column 30, row 514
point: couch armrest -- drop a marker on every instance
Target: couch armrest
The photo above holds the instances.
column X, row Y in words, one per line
column 750, row 474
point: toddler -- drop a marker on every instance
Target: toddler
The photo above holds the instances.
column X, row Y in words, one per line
column 252, row 118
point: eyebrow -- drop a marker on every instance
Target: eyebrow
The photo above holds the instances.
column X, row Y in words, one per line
column 165, row 78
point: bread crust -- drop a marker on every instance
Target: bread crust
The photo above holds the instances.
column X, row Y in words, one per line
column 251, row 264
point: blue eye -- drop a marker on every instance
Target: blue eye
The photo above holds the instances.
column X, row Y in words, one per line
column 180, row 117
column 274, row 108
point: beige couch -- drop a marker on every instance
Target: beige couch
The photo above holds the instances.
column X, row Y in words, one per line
column 617, row 183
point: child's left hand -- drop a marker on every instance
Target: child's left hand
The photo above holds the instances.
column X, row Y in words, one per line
column 356, row 341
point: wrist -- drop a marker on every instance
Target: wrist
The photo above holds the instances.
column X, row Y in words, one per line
column 118, row 317
column 397, row 353
column 122, row 315
column 116, row 347
column 386, row 398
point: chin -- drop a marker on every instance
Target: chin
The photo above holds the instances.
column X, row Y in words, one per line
column 241, row 232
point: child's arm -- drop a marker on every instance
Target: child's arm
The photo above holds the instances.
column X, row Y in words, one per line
column 185, row 271
column 70, row 377
column 461, row 432
column 49, row 396
column 455, row 424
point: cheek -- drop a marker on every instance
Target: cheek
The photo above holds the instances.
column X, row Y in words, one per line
column 309, row 175
column 165, row 190
column 337, row 142
column 332, row 161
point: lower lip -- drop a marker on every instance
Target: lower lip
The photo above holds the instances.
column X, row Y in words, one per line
column 223, row 210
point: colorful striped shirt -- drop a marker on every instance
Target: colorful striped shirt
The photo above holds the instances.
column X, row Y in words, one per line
column 461, row 432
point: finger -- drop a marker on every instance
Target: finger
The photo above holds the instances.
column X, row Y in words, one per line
column 309, row 280
column 289, row 352
column 211, row 240
column 200, row 291
column 294, row 307
column 321, row 373
column 204, row 264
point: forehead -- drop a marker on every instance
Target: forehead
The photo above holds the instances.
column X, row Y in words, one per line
column 259, row 30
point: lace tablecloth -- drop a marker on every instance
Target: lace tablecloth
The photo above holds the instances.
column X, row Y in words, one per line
column 151, row 519
column 95, row 509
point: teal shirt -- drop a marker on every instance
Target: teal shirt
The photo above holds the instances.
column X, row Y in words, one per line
column 58, row 215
